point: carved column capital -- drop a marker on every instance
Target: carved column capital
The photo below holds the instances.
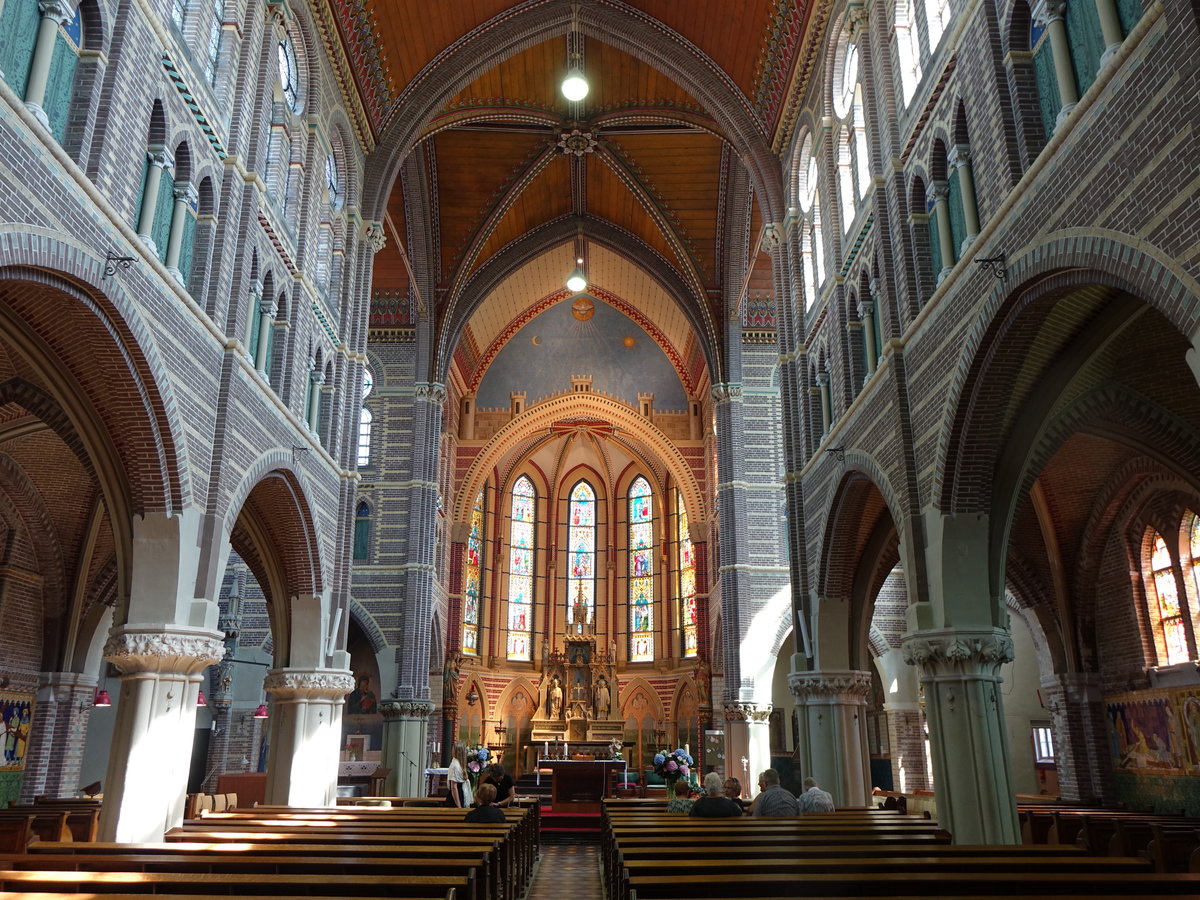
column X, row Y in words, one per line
column 754, row 713
column 160, row 156
column 177, row 651
column 186, row 192
column 1047, row 11
column 958, row 652
column 308, row 684
column 849, row 686
column 430, row 391
column 723, row 393
column 60, row 11
column 406, row 709
column 374, row 235
column 939, row 191
column 857, row 16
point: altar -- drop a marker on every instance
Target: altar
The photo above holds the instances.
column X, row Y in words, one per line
column 580, row 781
column 576, row 694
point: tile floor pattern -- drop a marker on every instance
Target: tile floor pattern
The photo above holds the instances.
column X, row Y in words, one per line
column 567, row 871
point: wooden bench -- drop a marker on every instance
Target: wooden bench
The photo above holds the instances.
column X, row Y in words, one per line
column 238, row 883
column 56, row 823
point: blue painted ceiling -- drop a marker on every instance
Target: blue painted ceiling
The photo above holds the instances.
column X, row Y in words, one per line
column 541, row 358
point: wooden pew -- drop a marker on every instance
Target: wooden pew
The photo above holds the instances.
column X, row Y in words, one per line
column 916, row 884
column 241, row 883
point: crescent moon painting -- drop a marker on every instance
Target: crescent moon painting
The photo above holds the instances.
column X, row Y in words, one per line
column 536, row 340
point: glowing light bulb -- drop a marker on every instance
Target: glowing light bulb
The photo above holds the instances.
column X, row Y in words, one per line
column 575, row 86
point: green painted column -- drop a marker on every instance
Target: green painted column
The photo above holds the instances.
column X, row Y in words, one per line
column 185, row 195
column 960, row 158
column 266, row 315
column 866, row 312
column 826, row 403
column 940, row 192
column 831, row 707
column 316, row 379
column 1110, row 27
column 55, row 13
column 1051, row 14
column 160, row 160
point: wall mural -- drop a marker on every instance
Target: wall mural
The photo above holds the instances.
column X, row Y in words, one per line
column 1156, row 732
column 16, row 712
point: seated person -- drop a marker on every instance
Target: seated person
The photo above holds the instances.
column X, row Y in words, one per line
column 815, row 800
column 733, row 790
column 680, row 802
column 486, row 812
column 775, row 800
column 714, row 805
column 506, row 789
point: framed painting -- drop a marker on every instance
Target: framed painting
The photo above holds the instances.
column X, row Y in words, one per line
column 16, row 713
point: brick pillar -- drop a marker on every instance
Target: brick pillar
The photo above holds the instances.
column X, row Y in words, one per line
column 1081, row 743
column 832, row 709
column 906, row 740
column 57, row 734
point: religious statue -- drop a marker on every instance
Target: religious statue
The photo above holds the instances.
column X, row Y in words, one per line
column 450, row 681
column 603, row 698
column 702, row 683
column 555, row 698
column 545, row 652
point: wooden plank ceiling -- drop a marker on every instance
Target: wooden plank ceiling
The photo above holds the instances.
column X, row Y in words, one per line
column 655, row 172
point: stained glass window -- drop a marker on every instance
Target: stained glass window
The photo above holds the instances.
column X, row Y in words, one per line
column 520, row 569
column 687, row 581
column 1170, row 615
column 1194, row 544
column 472, row 579
column 581, row 548
column 641, row 572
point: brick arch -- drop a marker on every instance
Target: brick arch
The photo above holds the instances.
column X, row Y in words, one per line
column 967, row 446
column 613, row 22
column 279, row 494
column 542, row 416
column 368, row 626
column 129, row 423
column 861, row 544
column 483, row 281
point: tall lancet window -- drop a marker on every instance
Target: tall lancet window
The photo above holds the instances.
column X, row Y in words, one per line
column 581, row 586
column 472, row 579
column 687, row 580
column 1170, row 614
column 641, row 572
column 520, row 569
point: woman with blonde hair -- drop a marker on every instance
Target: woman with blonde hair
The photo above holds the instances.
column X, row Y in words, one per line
column 456, row 777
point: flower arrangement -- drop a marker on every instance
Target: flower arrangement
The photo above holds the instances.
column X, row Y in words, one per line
column 615, row 746
column 671, row 765
column 479, row 758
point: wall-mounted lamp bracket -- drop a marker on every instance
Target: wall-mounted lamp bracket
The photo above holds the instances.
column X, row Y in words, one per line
column 993, row 264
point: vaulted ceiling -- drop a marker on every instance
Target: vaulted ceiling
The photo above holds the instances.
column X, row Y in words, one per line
column 656, row 179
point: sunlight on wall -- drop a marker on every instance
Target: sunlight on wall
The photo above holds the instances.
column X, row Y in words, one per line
column 758, row 660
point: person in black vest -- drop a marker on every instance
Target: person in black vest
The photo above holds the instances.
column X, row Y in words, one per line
column 506, row 789
column 486, row 812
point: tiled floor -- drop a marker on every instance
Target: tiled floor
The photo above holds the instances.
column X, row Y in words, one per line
column 567, row 870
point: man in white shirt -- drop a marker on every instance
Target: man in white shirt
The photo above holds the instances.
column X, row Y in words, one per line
column 815, row 800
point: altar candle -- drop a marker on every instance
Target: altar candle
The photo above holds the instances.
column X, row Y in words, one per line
column 566, row 750
column 545, row 749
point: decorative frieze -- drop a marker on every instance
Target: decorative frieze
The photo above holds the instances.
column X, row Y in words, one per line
column 959, row 652
column 843, row 686
column 406, row 709
column 311, row 684
column 754, row 713
column 171, row 652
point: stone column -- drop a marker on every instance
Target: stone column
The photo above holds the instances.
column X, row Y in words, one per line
column 267, row 310
column 54, row 13
column 405, row 729
column 826, row 402
column 906, row 737
column 305, row 734
column 832, row 709
column 1051, row 15
column 941, row 210
column 315, row 380
column 151, row 752
column 1081, row 743
column 57, row 735
column 160, row 160
column 960, row 158
column 960, row 672
column 185, row 195
column 748, row 739
column 866, row 312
